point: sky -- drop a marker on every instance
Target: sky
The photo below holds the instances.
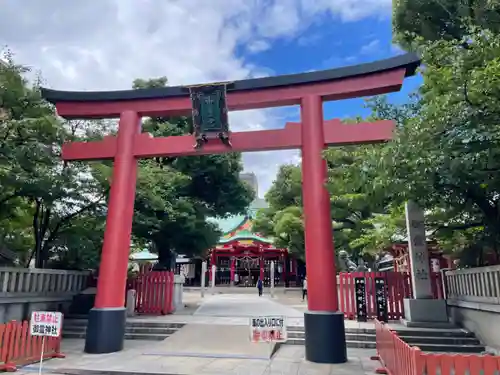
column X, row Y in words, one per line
column 106, row 44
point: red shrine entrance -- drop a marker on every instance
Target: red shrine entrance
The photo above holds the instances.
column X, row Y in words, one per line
column 324, row 324
column 242, row 264
column 437, row 259
column 242, row 256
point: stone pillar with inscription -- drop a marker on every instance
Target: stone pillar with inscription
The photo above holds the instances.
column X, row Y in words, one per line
column 422, row 309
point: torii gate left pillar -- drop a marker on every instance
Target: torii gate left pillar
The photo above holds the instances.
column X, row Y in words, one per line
column 324, row 325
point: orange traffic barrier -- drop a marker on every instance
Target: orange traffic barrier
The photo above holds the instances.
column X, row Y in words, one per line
column 399, row 358
column 18, row 347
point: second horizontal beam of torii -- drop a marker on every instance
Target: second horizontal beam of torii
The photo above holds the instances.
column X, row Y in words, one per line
column 146, row 146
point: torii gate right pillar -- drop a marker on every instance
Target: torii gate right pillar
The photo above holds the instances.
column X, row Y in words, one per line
column 324, row 324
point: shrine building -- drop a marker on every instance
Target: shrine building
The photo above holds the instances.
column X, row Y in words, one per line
column 242, row 256
column 397, row 257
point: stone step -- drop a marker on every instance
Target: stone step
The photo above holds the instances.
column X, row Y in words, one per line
column 348, row 336
column 130, row 323
column 364, row 344
column 434, row 332
column 128, row 336
column 414, row 340
column 451, row 341
column 451, row 348
column 457, row 332
column 370, row 331
column 421, row 340
column 132, row 330
column 151, row 330
column 349, row 343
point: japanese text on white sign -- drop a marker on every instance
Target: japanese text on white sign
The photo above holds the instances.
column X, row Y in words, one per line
column 268, row 329
column 46, row 323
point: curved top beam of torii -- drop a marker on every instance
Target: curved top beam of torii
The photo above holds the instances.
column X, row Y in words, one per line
column 373, row 78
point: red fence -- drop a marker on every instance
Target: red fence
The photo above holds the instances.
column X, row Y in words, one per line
column 399, row 358
column 398, row 286
column 154, row 292
column 18, row 347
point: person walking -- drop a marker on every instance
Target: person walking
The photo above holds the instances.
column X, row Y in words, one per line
column 304, row 288
column 259, row 286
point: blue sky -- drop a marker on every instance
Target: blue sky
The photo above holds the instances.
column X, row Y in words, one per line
column 329, row 43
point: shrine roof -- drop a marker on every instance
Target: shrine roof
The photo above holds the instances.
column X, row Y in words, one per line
column 231, row 223
column 409, row 62
column 238, row 227
column 245, row 235
column 143, row 255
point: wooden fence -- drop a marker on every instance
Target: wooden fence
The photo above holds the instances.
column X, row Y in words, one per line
column 399, row 358
column 398, row 286
column 154, row 292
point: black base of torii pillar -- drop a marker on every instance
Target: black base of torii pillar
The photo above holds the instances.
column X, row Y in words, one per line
column 325, row 340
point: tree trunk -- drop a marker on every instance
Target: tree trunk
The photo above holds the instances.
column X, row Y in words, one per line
column 166, row 258
column 36, row 233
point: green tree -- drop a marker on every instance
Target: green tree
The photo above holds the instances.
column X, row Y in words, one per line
column 40, row 195
column 434, row 20
column 445, row 152
column 283, row 220
column 350, row 204
column 87, row 233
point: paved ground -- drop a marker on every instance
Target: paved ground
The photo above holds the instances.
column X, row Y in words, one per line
column 200, row 349
column 289, row 360
column 213, row 341
column 244, row 305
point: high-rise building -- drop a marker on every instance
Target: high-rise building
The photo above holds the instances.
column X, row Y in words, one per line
column 251, row 179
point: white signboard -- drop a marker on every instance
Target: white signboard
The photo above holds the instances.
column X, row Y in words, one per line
column 419, row 255
column 46, row 323
column 268, row 329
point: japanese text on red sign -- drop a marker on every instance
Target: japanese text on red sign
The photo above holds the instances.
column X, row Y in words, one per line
column 268, row 329
column 45, row 323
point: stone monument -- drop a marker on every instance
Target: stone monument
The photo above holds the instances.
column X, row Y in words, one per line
column 422, row 309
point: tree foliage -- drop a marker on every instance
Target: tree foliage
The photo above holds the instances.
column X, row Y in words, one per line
column 282, row 220
column 54, row 212
column 350, row 205
column 445, row 152
column 41, row 195
column 433, row 20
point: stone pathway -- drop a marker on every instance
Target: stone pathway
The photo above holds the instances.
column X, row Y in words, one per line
column 244, row 305
column 230, row 311
column 289, row 360
column 213, row 309
column 199, row 319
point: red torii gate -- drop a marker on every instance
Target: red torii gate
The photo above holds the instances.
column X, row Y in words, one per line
column 324, row 325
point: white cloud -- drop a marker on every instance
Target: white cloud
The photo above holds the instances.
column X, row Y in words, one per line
column 308, row 40
column 105, row 44
column 349, row 10
column 371, row 47
column 258, row 46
